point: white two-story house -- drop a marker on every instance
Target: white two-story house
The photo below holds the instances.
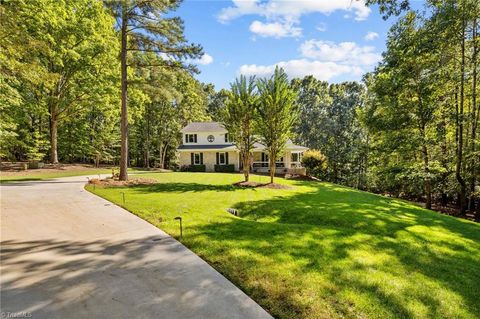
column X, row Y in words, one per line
column 208, row 144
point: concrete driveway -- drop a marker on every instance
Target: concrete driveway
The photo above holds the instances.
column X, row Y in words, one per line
column 66, row 253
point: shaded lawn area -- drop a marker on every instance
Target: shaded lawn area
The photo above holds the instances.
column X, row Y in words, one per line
column 319, row 250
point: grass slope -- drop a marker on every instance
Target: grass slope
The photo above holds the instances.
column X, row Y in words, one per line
column 41, row 174
column 48, row 173
column 319, row 250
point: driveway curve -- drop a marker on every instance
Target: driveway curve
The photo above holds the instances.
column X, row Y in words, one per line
column 66, row 253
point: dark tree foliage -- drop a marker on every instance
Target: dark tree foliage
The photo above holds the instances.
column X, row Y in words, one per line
column 328, row 122
column 421, row 107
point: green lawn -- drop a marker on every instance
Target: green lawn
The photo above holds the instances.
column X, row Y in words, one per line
column 319, row 250
column 41, row 174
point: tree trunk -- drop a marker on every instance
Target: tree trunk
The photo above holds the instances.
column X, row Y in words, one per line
column 444, row 160
column 428, row 183
column 271, row 159
column 147, row 140
column 53, row 135
column 426, row 166
column 160, row 153
column 460, row 120
column 124, row 116
column 146, row 157
column 97, row 160
column 164, row 155
column 246, row 166
column 473, row 135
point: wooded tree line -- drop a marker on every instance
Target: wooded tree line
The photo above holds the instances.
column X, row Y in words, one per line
column 410, row 128
column 64, row 65
column 421, row 110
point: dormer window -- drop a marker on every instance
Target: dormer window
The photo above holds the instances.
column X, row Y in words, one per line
column 190, row 138
column 228, row 138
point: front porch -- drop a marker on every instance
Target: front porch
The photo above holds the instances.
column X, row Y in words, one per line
column 290, row 163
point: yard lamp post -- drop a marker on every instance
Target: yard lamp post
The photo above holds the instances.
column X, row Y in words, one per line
column 181, row 230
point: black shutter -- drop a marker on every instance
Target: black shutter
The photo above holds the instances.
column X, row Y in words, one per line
column 186, row 138
column 218, row 158
column 195, row 137
column 201, row 158
column 263, row 157
column 191, row 158
column 226, row 158
column 226, row 137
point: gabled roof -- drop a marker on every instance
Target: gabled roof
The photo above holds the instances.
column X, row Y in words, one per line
column 223, row 147
column 198, row 127
column 288, row 146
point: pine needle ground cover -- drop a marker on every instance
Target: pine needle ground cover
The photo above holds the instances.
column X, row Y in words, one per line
column 318, row 250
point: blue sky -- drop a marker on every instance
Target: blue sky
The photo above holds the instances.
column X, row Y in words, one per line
column 334, row 40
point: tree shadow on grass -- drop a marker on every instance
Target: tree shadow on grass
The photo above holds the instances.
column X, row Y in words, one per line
column 336, row 206
column 358, row 246
column 292, row 269
column 403, row 224
column 183, row 188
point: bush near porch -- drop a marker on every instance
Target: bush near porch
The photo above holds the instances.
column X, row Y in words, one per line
column 193, row 168
column 229, row 168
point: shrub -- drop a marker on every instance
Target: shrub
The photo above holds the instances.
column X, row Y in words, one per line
column 193, row 168
column 315, row 162
column 229, row 168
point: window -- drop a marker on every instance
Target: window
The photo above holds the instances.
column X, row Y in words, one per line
column 210, row 138
column 296, row 157
column 228, row 138
column 264, row 157
column 190, row 138
column 197, row 159
column 222, row 159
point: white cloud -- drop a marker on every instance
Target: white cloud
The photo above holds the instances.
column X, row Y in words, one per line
column 292, row 10
column 322, row 27
column 204, row 60
column 299, row 68
column 371, row 36
column 324, row 60
column 275, row 29
column 344, row 52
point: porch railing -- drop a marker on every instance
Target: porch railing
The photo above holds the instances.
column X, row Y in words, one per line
column 277, row 164
column 266, row 164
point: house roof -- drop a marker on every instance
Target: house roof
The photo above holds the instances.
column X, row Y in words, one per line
column 195, row 127
column 288, row 146
column 224, row 147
